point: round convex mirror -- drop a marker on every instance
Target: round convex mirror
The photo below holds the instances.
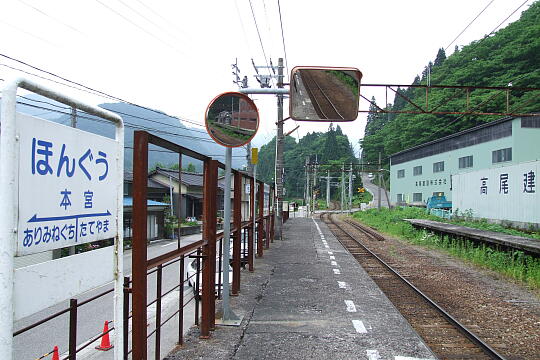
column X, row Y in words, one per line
column 232, row 119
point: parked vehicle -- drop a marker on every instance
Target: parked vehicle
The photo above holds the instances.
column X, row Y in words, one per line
column 192, row 276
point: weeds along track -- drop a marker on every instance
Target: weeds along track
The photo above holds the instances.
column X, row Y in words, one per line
column 446, row 337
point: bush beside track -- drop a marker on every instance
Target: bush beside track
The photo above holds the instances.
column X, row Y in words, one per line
column 515, row 265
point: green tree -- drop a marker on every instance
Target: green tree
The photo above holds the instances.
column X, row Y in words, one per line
column 190, row 168
column 439, row 59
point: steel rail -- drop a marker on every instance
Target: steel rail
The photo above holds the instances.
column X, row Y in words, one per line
column 372, row 234
column 312, row 95
column 469, row 334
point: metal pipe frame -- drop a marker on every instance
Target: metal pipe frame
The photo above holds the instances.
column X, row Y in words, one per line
column 9, row 203
column 457, row 89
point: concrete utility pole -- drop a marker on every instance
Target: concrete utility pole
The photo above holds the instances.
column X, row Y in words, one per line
column 379, row 187
column 315, row 182
column 308, row 196
column 279, row 156
column 350, row 189
column 328, row 188
column 249, row 167
column 342, row 187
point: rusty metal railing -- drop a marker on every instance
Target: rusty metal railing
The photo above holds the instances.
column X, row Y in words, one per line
column 210, row 245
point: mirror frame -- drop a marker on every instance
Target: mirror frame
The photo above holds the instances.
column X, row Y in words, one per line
column 244, row 97
column 291, row 80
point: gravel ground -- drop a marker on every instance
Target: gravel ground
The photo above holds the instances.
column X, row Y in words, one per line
column 503, row 313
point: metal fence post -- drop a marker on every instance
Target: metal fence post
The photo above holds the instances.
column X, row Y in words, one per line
column 159, row 278
column 237, row 221
column 272, row 217
column 251, row 231
column 139, row 256
column 260, row 224
column 209, row 249
column 126, row 317
column 181, row 304
column 197, row 289
column 72, row 347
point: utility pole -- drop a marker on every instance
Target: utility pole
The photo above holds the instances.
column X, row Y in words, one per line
column 328, row 189
column 315, row 181
column 350, row 189
column 249, row 166
column 342, row 186
column 308, row 196
column 279, row 155
column 380, row 183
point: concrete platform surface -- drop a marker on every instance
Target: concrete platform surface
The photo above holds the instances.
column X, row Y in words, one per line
column 309, row 299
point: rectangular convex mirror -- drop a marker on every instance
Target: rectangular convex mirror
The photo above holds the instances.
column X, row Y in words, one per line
column 324, row 93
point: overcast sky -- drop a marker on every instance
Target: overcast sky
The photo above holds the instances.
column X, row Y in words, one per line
column 176, row 56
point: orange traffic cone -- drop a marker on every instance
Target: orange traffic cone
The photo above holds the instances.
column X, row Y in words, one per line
column 55, row 355
column 105, row 342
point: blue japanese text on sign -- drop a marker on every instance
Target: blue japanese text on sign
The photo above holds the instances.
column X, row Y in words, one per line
column 67, row 186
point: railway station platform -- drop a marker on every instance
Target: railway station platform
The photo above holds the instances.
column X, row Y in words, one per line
column 528, row 245
column 308, row 299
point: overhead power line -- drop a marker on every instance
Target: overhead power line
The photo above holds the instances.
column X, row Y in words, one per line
column 137, row 25
column 51, row 17
column 259, row 34
column 466, row 27
column 118, row 112
column 88, row 89
column 126, row 124
column 508, row 17
column 283, row 38
column 147, row 19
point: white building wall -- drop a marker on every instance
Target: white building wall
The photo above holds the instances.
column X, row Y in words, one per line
column 508, row 193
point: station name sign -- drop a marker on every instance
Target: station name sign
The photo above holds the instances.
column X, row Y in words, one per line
column 67, row 186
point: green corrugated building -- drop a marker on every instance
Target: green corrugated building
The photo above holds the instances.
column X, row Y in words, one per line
column 419, row 172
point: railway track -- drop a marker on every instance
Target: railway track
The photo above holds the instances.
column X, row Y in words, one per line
column 446, row 336
column 321, row 102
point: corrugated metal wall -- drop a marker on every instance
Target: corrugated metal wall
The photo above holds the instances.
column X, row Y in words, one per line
column 503, row 193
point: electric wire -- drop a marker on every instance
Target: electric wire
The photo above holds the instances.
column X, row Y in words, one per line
column 52, row 17
column 243, row 29
column 466, row 27
column 147, row 19
column 137, row 25
column 174, row 152
column 259, row 34
column 126, row 124
column 118, row 112
column 28, row 33
column 283, row 38
column 172, row 25
column 90, row 90
column 513, row 12
column 269, row 30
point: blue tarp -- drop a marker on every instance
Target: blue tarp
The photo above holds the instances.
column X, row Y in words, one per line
column 128, row 201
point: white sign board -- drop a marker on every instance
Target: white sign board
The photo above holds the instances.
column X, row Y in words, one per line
column 60, row 279
column 502, row 193
column 67, row 186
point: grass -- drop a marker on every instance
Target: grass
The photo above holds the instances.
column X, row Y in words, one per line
column 227, row 131
column 346, row 79
column 515, row 265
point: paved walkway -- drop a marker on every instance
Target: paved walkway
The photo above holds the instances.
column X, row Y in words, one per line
column 309, row 299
